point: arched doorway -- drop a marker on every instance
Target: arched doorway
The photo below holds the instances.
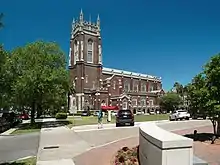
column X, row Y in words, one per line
column 125, row 104
column 103, row 103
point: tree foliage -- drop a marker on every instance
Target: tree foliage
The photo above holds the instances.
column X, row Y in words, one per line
column 4, row 79
column 37, row 78
column 179, row 88
column 203, row 92
column 170, row 101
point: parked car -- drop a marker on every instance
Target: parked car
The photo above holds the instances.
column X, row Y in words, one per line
column 24, row 116
column 11, row 117
column 152, row 112
column 179, row 115
column 96, row 113
column 198, row 114
column 139, row 112
column 85, row 113
column 124, row 117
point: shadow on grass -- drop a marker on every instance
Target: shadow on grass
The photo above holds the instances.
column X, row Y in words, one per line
column 55, row 124
column 202, row 137
column 13, row 163
column 39, row 125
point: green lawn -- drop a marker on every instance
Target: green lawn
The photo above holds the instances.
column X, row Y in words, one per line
column 77, row 121
column 29, row 161
column 27, row 128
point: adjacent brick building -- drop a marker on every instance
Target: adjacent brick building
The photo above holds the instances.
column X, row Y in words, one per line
column 97, row 86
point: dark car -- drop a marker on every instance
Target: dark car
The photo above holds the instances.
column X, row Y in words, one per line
column 85, row 113
column 199, row 115
column 11, row 117
column 124, row 117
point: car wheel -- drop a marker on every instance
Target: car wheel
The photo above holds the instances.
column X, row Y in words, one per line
column 187, row 118
column 132, row 124
column 170, row 119
column 204, row 117
column 117, row 124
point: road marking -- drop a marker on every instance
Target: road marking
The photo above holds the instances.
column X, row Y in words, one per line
column 114, row 141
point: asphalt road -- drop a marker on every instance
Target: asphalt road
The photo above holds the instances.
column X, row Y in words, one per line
column 18, row 146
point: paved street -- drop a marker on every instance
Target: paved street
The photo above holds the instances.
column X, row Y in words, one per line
column 73, row 143
column 18, row 146
column 97, row 137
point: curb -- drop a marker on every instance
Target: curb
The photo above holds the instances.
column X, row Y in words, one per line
column 113, row 124
column 8, row 132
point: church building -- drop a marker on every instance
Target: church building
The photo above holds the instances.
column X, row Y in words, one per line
column 99, row 87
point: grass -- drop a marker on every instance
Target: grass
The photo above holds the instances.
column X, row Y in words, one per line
column 27, row 128
column 29, row 161
column 77, row 121
column 36, row 127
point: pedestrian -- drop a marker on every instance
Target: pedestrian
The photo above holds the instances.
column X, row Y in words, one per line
column 100, row 116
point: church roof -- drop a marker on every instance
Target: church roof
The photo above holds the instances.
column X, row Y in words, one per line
column 129, row 74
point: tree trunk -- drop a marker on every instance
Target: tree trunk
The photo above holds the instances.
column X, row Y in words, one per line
column 33, row 112
column 218, row 127
column 39, row 110
column 214, row 126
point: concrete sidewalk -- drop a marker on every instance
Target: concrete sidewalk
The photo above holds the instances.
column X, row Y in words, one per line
column 94, row 127
column 59, row 145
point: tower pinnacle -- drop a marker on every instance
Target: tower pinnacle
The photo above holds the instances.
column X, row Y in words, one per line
column 81, row 16
column 98, row 21
column 90, row 19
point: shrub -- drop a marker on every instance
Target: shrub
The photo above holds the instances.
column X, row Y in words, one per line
column 127, row 156
column 61, row 116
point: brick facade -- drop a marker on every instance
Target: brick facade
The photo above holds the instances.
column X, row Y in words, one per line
column 98, row 86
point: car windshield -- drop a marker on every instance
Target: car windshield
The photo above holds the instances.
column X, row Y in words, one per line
column 124, row 112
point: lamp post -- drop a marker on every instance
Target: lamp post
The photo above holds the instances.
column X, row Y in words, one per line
column 97, row 100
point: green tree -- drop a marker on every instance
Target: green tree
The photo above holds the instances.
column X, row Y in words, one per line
column 179, row 88
column 170, row 101
column 40, row 77
column 212, row 72
column 4, row 79
column 197, row 95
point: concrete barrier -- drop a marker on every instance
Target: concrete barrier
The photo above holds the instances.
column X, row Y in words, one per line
column 160, row 147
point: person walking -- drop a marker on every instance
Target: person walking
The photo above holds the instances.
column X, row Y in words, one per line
column 100, row 116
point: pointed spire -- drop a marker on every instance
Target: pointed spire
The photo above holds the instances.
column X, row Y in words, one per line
column 98, row 21
column 73, row 25
column 90, row 19
column 73, row 22
column 81, row 16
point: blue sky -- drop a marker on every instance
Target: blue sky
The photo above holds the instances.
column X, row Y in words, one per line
column 172, row 39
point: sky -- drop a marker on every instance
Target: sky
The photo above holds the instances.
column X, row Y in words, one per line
column 172, row 39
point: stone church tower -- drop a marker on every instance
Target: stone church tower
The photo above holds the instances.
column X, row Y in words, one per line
column 85, row 60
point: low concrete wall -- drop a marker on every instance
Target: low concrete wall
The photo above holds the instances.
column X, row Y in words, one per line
column 160, row 147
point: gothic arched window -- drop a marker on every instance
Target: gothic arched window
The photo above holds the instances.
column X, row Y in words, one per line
column 143, row 87
column 126, row 86
column 76, row 54
column 135, row 86
column 90, row 51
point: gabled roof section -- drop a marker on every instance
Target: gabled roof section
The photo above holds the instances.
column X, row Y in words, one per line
column 130, row 74
column 158, row 91
column 109, row 78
